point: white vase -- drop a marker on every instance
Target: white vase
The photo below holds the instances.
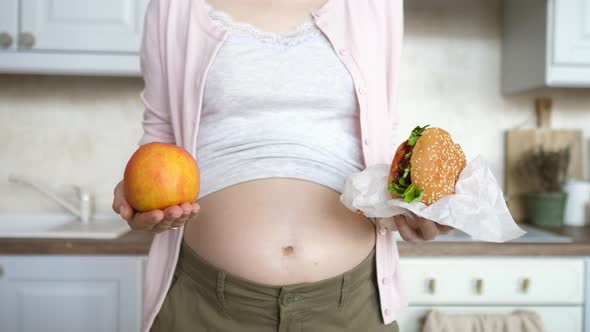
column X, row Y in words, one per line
column 577, row 208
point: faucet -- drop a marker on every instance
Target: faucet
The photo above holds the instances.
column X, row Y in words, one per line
column 84, row 209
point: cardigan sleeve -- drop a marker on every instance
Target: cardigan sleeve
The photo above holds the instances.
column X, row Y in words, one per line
column 395, row 23
column 156, row 121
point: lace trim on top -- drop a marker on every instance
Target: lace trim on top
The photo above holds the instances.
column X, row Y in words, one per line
column 293, row 37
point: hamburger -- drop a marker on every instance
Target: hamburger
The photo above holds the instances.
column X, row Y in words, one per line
column 426, row 166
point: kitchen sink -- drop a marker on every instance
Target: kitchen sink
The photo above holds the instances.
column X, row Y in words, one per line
column 533, row 235
column 107, row 226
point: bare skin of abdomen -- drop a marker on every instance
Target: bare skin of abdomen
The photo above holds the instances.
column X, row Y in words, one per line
column 279, row 231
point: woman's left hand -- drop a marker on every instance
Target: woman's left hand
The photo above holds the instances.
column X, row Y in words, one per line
column 419, row 229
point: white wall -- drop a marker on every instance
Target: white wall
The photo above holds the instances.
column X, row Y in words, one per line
column 451, row 79
column 80, row 130
column 66, row 130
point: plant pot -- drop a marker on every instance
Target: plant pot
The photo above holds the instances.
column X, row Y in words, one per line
column 546, row 209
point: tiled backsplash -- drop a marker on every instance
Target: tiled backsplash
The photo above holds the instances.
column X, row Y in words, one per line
column 61, row 130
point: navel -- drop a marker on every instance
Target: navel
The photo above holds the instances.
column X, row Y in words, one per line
column 288, row 250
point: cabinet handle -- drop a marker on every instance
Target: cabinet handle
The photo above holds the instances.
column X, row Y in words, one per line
column 526, row 284
column 26, row 40
column 5, row 40
column 479, row 286
column 431, row 286
column 1, row 272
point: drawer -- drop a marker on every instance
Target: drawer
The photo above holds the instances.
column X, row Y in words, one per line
column 567, row 318
column 494, row 280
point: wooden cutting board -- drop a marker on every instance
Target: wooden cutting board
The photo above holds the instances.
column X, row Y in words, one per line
column 518, row 141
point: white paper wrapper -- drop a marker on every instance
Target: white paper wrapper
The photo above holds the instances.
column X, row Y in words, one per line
column 477, row 207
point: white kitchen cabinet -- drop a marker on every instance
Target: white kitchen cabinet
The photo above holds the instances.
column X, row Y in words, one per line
column 8, row 25
column 552, row 287
column 571, row 32
column 97, row 37
column 83, row 26
column 545, row 43
column 587, row 295
column 453, row 281
column 71, row 293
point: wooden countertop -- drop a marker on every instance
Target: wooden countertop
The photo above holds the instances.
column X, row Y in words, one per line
column 138, row 242
column 131, row 243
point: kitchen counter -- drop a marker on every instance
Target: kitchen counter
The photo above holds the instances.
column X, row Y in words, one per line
column 131, row 243
column 580, row 246
column 138, row 242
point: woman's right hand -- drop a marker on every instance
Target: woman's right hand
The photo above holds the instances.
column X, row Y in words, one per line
column 154, row 221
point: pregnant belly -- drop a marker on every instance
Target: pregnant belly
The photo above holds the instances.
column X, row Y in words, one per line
column 279, row 231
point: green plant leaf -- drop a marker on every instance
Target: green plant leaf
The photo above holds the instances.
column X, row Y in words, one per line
column 543, row 169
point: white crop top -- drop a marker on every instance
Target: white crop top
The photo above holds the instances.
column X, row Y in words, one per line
column 277, row 105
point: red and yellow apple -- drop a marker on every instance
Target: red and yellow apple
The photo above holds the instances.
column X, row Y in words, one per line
column 159, row 175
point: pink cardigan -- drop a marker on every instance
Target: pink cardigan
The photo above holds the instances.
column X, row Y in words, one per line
column 180, row 42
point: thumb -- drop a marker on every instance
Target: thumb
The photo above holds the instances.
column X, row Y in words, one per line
column 125, row 210
column 120, row 204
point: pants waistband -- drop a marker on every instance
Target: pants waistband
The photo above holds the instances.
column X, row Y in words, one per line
column 228, row 285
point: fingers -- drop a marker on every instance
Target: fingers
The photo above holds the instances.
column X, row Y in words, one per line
column 428, row 229
column 157, row 221
column 196, row 207
column 190, row 211
column 406, row 232
column 146, row 220
column 176, row 216
column 187, row 208
column 444, row 229
column 419, row 229
column 186, row 212
column 171, row 214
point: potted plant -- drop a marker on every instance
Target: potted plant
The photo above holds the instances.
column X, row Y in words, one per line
column 543, row 172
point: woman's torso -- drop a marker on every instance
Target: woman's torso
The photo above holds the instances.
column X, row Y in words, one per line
column 278, row 230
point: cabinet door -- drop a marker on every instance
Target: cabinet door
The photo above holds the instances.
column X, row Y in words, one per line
column 70, row 293
column 8, row 25
column 566, row 318
column 82, row 25
column 494, row 281
column 571, row 29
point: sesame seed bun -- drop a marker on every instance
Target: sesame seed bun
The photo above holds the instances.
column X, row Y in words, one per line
column 436, row 163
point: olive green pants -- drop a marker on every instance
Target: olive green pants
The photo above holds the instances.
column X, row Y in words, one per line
column 203, row 298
